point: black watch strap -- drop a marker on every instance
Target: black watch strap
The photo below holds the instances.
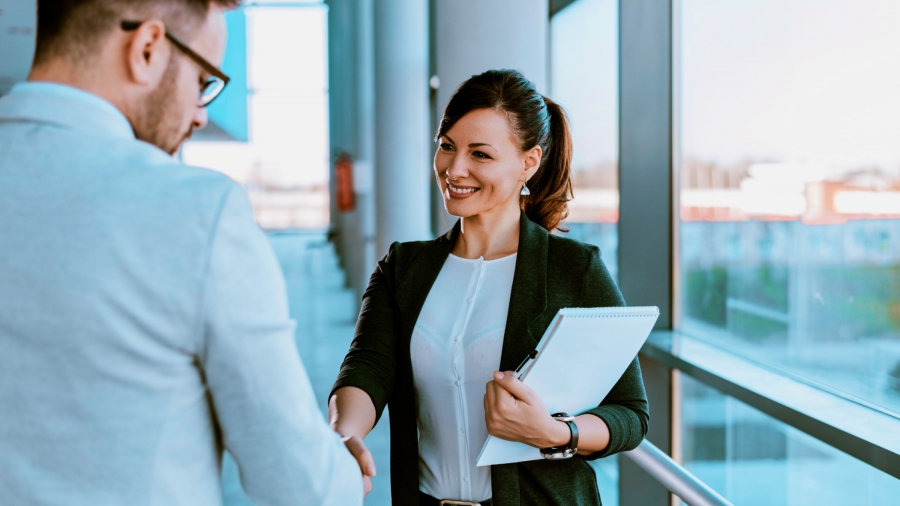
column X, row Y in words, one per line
column 569, row 450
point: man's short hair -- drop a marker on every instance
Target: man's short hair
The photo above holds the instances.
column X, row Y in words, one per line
column 75, row 29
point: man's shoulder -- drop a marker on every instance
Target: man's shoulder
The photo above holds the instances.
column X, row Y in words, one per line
column 159, row 172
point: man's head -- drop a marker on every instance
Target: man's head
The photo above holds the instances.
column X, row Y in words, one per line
column 140, row 70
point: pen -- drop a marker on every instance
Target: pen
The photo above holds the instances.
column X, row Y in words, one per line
column 518, row 372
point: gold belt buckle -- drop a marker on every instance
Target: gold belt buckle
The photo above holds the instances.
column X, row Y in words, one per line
column 451, row 502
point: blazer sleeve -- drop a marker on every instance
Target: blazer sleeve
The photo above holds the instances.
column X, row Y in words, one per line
column 625, row 409
column 371, row 362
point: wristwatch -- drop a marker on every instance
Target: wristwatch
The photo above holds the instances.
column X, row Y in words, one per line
column 568, row 451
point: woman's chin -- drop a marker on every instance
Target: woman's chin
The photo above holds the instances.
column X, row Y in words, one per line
column 460, row 209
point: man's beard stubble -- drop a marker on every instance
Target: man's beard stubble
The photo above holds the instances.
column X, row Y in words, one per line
column 160, row 120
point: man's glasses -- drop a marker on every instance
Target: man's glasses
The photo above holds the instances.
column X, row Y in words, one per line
column 212, row 87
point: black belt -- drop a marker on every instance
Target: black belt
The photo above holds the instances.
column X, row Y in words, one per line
column 427, row 500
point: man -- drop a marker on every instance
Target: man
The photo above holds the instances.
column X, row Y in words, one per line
column 144, row 325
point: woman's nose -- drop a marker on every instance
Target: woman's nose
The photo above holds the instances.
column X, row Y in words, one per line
column 457, row 169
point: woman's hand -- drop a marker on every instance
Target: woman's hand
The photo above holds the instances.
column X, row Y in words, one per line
column 514, row 412
column 363, row 458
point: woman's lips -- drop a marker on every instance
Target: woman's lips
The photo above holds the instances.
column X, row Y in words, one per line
column 457, row 192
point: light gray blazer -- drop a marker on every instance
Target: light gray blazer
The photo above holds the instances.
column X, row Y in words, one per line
column 144, row 326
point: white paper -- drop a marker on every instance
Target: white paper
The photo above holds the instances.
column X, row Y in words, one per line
column 580, row 358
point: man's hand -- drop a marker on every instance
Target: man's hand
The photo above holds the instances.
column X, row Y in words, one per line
column 514, row 412
column 364, row 458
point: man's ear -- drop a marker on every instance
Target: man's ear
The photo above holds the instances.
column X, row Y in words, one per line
column 148, row 53
column 533, row 159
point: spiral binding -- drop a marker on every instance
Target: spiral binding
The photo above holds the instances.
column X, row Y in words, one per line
column 608, row 312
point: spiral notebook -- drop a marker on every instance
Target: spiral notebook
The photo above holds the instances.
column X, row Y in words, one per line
column 579, row 359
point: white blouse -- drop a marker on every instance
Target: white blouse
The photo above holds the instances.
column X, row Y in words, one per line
column 455, row 349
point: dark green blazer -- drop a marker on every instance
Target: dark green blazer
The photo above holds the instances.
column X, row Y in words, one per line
column 551, row 273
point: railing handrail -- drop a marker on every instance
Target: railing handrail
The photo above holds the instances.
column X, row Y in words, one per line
column 674, row 477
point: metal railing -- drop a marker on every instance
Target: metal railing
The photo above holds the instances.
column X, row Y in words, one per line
column 674, row 477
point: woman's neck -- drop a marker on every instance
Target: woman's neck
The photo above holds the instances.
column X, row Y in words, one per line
column 489, row 235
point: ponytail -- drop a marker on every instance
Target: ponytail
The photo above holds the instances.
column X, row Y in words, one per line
column 551, row 185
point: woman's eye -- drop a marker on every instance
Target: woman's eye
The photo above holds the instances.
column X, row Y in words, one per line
column 446, row 147
column 482, row 155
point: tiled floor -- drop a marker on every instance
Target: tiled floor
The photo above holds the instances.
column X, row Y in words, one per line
column 326, row 314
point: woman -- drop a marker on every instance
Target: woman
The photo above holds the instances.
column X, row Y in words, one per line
column 441, row 318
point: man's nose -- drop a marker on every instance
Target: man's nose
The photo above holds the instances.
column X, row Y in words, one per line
column 201, row 118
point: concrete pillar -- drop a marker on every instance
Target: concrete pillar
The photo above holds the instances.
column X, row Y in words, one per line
column 402, row 155
column 352, row 104
column 473, row 36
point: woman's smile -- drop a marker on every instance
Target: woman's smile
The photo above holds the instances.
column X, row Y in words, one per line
column 460, row 192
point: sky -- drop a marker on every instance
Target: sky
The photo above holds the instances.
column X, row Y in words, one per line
column 791, row 81
column 815, row 81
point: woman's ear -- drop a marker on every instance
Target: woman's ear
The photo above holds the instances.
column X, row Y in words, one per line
column 533, row 161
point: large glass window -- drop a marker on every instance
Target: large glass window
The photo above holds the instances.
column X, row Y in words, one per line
column 285, row 164
column 751, row 458
column 584, row 80
column 790, row 187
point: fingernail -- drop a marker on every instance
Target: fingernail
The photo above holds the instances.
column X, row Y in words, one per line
column 499, row 375
column 370, row 469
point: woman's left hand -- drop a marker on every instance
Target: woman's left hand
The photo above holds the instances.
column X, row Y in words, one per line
column 514, row 412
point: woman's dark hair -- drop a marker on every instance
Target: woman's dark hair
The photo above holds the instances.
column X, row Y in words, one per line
column 535, row 120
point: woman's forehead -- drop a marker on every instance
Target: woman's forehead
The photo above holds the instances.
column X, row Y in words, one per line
column 489, row 126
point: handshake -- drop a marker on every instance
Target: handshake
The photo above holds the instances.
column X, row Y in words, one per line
column 364, row 458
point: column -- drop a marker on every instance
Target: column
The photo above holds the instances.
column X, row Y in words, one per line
column 352, row 131
column 645, row 214
column 402, row 157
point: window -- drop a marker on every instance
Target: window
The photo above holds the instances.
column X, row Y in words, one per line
column 751, row 458
column 790, row 188
column 285, row 164
column 584, row 80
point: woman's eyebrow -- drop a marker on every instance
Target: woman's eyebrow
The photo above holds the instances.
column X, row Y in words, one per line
column 479, row 144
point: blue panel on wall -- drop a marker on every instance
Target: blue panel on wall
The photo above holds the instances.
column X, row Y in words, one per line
column 229, row 111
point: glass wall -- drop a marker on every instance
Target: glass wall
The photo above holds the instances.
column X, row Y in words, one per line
column 285, row 164
column 790, row 189
column 751, row 458
column 584, row 80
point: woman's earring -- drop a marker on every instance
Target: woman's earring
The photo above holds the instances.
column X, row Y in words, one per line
column 525, row 190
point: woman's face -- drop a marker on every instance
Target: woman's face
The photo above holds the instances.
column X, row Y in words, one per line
column 479, row 166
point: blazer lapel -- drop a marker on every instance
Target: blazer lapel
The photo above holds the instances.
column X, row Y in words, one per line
column 416, row 282
column 529, row 294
